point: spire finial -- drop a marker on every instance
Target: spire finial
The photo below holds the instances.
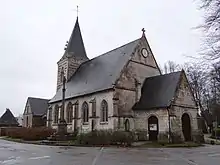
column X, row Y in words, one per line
column 143, row 30
column 77, row 10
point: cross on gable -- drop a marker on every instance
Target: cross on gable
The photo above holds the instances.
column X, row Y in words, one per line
column 143, row 30
column 77, row 10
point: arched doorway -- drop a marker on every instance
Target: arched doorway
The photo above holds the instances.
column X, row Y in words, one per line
column 186, row 127
column 153, row 128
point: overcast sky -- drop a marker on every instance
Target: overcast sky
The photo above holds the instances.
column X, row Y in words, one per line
column 33, row 34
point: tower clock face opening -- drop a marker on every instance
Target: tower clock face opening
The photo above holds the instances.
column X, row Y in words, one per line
column 144, row 52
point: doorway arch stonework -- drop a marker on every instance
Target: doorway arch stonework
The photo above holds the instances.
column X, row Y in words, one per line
column 153, row 128
column 186, row 126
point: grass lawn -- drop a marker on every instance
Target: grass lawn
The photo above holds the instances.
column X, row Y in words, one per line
column 73, row 143
column 40, row 142
column 170, row 145
column 11, row 139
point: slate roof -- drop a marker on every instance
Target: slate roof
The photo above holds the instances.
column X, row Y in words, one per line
column 158, row 91
column 75, row 45
column 8, row 119
column 99, row 73
column 38, row 106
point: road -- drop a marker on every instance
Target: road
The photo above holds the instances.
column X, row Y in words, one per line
column 27, row 154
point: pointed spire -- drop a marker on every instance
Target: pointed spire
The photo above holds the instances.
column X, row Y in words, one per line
column 75, row 46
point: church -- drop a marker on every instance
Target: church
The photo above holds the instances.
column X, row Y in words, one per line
column 122, row 89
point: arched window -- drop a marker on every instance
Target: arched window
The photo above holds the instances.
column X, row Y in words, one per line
column 69, row 112
column 27, row 124
column 61, row 75
column 104, row 111
column 127, row 125
column 85, row 112
column 56, row 114
column 76, row 110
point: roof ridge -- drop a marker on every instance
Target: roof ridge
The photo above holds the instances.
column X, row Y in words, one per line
column 110, row 51
column 162, row 75
column 37, row 98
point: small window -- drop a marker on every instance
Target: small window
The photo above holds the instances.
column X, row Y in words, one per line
column 76, row 111
column 50, row 114
column 56, row 114
column 69, row 112
column 104, row 111
column 85, row 112
column 93, row 109
column 61, row 74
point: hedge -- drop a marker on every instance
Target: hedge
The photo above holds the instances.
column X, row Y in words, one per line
column 40, row 133
column 217, row 131
column 106, row 138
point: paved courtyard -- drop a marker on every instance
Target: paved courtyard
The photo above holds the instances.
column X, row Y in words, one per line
column 25, row 154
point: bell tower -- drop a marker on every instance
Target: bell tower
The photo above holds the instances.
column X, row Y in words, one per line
column 74, row 55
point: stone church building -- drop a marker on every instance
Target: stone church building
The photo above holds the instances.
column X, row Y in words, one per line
column 122, row 89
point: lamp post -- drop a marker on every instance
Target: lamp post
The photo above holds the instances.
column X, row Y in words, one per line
column 62, row 126
column 63, row 96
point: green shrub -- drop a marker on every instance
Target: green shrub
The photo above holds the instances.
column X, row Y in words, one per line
column 141, row 135
column 29, row 133
column 198, row 137
column 176, row 138
column 163, row 138
column 105, row 138
column 122, row 137
column 94, row 138
column 217, row 131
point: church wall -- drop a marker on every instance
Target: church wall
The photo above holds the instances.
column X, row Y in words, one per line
column 141, row 119
column 127, row 98
column 27, row 122
column 70, row 65
column 63, row 63
column 107, row 95
column 138, row 67
column 184, row 96
column 27, row 116
column 176, row 122
column 128, row 86
column 73, row 64
column 139, row 58
column 38, row 121
column 184, row 103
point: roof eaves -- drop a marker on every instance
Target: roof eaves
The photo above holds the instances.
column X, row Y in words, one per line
column 84, row 94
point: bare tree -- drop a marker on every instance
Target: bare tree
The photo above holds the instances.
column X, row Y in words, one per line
column 212, row 29
column 197, row 80
column 171, row 66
